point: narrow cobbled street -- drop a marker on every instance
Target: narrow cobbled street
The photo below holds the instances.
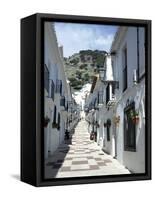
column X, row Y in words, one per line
column 81, row 156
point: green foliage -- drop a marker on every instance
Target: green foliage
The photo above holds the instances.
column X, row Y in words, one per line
column 83, row 66
column 82, row 73
column 74, row 61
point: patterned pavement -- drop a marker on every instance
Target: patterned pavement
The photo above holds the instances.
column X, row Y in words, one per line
column 81, row 157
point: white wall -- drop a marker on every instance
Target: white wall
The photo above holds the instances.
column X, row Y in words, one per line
column 55, row 65
column 134, row 161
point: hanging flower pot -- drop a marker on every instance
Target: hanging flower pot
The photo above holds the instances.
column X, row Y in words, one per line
column 131, row 114
column 135, row 119
column 117, row 120
column 46, row 121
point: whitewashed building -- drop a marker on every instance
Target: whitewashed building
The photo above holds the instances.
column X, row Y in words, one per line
column 129, row 69
column 57, row 94
column 120, row 95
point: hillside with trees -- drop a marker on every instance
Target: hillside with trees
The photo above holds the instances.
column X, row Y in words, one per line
column 81, row 67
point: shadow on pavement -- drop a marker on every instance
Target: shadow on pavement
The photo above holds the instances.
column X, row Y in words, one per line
column 55, row 161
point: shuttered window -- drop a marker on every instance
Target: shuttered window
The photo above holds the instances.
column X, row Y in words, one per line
column 62, row 101
column 129, row 129
column 54, row 115
column 125, row 75
column 107, row 93
column 108, row 129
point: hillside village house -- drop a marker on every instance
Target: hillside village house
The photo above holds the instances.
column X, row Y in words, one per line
column 116, row 105
column 60, row 108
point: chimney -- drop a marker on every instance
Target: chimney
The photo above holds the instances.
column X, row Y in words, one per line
column 109, row 71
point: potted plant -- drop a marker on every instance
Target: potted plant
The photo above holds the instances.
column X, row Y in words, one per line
column 46, row 121
column 117, row 120
column 54, row 125
column 135, row 118
column 134, row 115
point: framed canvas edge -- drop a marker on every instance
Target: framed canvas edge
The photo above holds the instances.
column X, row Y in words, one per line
column 39, row 56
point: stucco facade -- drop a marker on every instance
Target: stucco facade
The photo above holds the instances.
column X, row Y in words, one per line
column 125, row 67
column 57, row 94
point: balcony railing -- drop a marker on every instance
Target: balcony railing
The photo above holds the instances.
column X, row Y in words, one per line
column 110, row 96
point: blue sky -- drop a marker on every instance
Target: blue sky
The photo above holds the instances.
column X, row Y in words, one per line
column 76, row 37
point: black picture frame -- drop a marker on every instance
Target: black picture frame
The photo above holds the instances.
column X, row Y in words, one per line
column 32, row 99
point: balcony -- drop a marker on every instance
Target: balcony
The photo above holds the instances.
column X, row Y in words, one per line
column 111, row 102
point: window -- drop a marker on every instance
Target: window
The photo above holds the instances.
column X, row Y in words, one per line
column 125, row 77
column 52, row 90
column 114, row 85
column 108, row 133
column 129, row 129
column 108, row 129
column 62, row 101
column 100, row 97
column 59, row 86
column 54, row 115
column 58, row 121
column 46, row 78
column 107, row 93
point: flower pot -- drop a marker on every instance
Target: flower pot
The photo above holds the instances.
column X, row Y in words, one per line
column 46, row 121
column 135, row 119
column 54, row 125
